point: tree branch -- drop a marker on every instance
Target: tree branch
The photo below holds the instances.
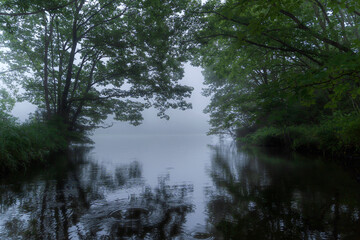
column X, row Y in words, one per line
column 95, row 13
column 101, row 23
column 323, row 10
column 12, row 70
column 37, row 12
column 316, row 35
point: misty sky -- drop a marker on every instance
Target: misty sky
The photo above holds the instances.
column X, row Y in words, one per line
column 192, row 121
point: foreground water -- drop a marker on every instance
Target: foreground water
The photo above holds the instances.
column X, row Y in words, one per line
column 179, row 187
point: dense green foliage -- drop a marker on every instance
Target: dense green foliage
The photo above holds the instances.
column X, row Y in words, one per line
column 83, row 60
column 6, row 102
column 80, row 61
column 283, row 72
column 339, row 134
column 22, row 145
column 278, row 72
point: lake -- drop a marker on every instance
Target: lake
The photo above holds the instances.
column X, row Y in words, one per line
column 180, row 187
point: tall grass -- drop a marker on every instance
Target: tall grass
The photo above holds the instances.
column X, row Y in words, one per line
column 22, row 145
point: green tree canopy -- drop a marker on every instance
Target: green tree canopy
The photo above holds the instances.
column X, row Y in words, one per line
column 82, row 60
column 279, row 62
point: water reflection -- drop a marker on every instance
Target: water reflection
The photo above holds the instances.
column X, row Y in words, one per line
column 177, row 188
column 79, row 199
column 263, row 196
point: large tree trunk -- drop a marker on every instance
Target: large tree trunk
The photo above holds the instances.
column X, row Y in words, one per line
column 47, row 39
column 64, row 109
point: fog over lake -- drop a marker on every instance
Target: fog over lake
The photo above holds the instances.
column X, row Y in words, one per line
column 192, row 121
column 276, row 156
column 168, row 180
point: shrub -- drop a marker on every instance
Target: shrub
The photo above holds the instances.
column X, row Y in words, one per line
column 303, row 138
column 24, row 144
column 338, row 134
column 266, row 136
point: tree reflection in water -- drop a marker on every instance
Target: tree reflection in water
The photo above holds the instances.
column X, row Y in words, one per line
column 253, row 196
column 79, row 199
column 259, row 196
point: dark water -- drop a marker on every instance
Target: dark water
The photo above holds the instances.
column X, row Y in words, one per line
column 179, row 187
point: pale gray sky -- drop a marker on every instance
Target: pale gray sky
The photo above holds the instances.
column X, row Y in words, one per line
column 192, row 121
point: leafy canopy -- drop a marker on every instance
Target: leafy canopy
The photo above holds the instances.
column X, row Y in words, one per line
column 278, row 63
column 82, row 60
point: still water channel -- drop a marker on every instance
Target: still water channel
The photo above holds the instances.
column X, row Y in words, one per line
column 179, row 187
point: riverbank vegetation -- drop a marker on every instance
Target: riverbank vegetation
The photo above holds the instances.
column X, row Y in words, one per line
column 80, row 61
column 283, row 73
column 336, row 135
column 27, row 144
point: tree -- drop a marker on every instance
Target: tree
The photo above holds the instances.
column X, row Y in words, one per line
column 290, row 61
column 82, row 60
column 6, row 102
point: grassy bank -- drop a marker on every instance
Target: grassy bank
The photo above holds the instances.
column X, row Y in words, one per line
column 26, row 144
column 338, row 135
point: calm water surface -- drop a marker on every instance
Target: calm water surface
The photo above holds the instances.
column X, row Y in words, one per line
column 179, row 187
